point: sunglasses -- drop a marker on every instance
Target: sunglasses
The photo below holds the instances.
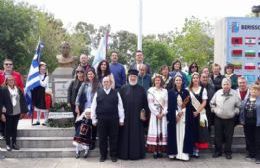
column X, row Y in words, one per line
column 8, row 64
column 80, row 71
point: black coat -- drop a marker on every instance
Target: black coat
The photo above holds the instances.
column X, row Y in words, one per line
column 171, row 126
column 7, row 102
column 131, row 135
column 73, row 91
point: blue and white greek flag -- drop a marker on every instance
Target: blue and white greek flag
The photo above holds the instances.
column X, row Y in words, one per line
column 33, row 78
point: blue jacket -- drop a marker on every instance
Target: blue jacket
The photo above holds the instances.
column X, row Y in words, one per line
column 242, row 111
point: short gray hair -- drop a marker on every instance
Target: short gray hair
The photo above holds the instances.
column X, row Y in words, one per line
column 226, row 80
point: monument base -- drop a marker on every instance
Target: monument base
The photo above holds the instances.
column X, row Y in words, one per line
column 61, row 78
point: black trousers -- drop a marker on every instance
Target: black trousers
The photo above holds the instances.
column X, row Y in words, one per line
column 11, row 128
column 224, row 130
column 108, row 129
column 252, row 135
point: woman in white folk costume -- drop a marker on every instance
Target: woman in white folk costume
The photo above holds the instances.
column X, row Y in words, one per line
column 199, row 98
column 38, row 94
column 158, row 104
column 179, row 117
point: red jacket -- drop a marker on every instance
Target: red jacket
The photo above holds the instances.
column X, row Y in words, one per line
column 17, row 76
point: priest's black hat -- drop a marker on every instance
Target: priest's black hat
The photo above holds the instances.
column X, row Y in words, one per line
column 133, row 72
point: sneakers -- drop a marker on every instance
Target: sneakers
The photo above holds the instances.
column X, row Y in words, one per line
column 85, row 154
column 8, row 148
column 77, row 155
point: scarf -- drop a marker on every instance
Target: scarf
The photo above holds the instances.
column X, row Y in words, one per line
column 13, row 94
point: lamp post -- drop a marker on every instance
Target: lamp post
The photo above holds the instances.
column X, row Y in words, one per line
column 256, row 10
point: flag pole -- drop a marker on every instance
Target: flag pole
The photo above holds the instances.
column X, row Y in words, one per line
column 140, row 25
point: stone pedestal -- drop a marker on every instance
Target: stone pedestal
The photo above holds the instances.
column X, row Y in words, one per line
column 61, row 78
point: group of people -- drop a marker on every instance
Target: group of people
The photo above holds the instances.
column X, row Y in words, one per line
column 168, row 112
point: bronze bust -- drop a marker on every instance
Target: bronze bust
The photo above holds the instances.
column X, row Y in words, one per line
column 65, row 59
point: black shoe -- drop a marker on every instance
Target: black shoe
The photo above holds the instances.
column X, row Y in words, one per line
column 44, row 124
column 92, row 146
column 8, row 148
column 216, row 154
column 228, row 156
column 159, row 155
column 114, row 159
column 77, row 155
column 15, row 147
column 102, row 159
column 155, row 156
column 37, row 123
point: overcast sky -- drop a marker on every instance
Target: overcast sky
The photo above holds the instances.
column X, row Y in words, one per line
column 159, row 16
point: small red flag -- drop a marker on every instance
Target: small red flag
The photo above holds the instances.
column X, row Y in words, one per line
column 237, row 40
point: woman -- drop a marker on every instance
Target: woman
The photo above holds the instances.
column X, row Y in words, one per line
column 13, row 100
column 158, row 104
column 104, row 70
column 38, row 95
column 167, row 79
column 179, row 128
column 199, row 98
column 176, row 68
column 74, row 88
column 192, row 68
column 229, row 73
column 250, row 118
column 85, row 96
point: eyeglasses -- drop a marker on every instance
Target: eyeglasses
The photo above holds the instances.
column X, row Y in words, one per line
column 8, row 64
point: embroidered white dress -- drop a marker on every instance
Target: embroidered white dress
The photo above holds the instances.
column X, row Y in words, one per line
column 157, row 132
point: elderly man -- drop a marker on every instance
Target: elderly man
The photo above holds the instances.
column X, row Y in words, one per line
column 225, row 104
column 131, row 136
column 144, row 79
column 107, row 113
column 83, row 62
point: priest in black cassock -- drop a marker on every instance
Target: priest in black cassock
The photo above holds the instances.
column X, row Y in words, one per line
column 131, row 136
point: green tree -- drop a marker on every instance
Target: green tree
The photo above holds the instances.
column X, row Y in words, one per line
column 16, row 23
column 195, row 42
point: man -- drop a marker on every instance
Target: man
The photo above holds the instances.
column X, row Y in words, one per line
column 131, row 135
column 8, row 70
column 243, row 93
column 225, row 104
column 117, row 70
column 107, row 113
column 144, row 79
column 83, row 59
column 139, row 59
column 204, row 81
column 216, row 76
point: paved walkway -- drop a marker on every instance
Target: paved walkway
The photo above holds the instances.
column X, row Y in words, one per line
column 205, row 161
